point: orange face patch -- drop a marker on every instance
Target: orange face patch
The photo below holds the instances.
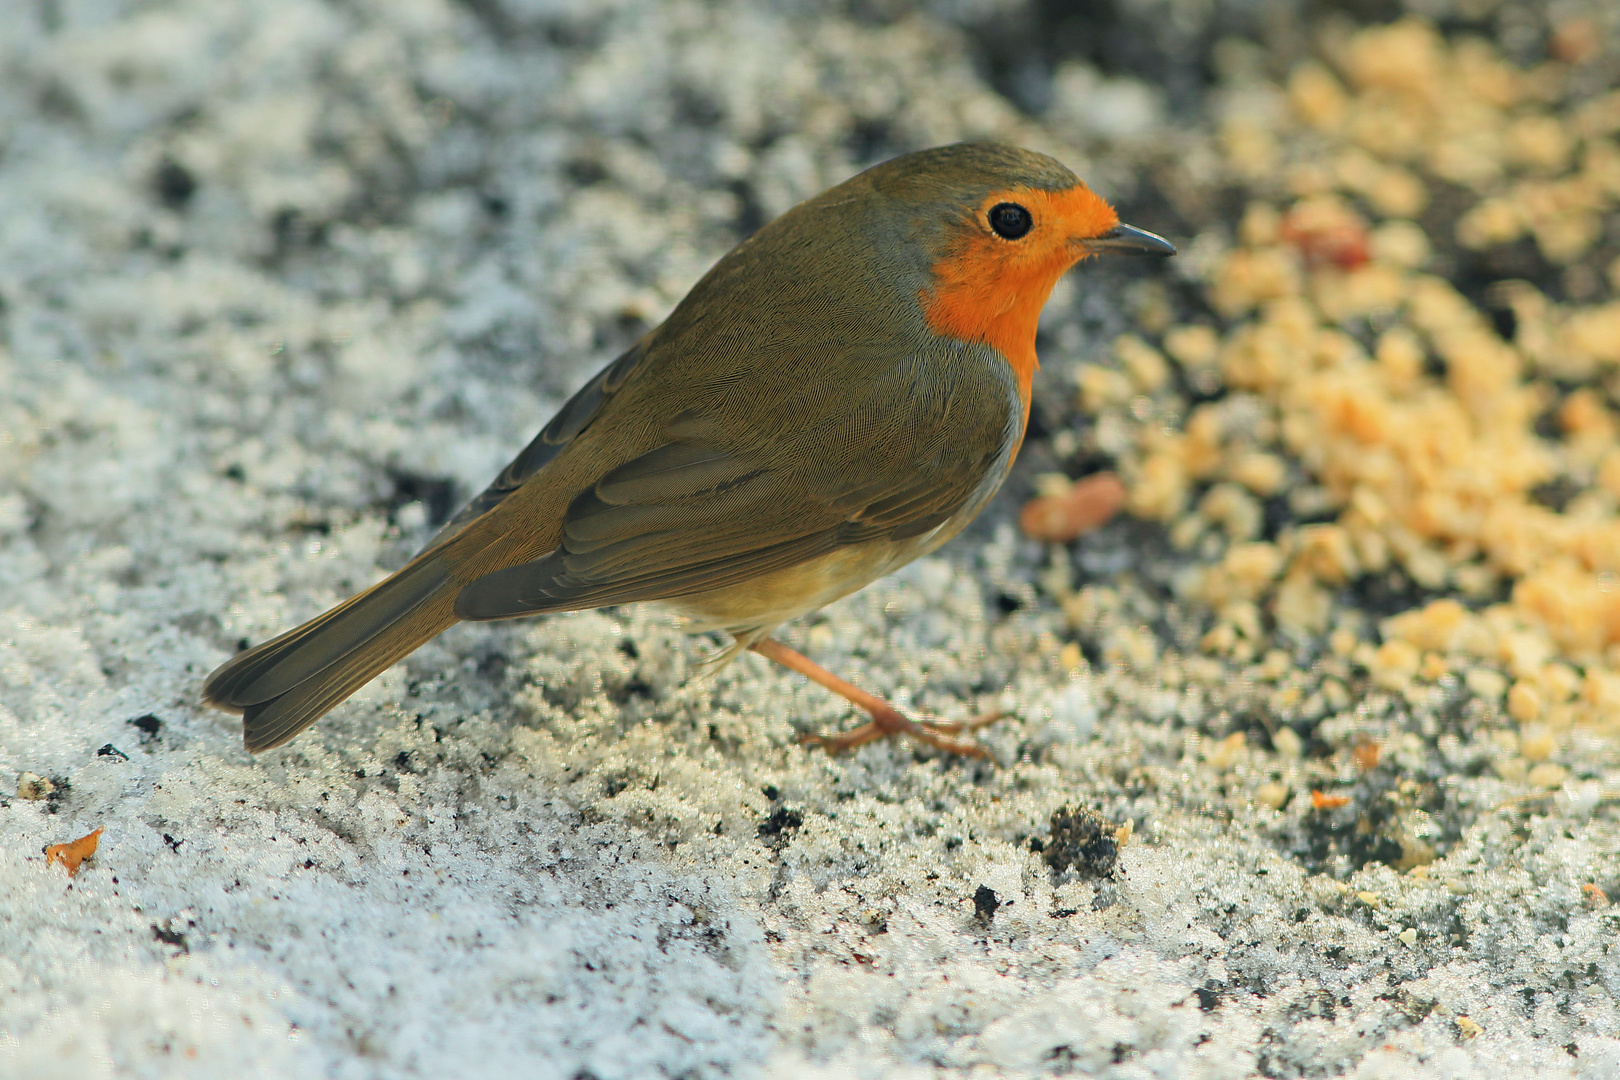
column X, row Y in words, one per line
column 991, row 290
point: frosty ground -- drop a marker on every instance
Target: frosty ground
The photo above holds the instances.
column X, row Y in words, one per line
column 281, row 283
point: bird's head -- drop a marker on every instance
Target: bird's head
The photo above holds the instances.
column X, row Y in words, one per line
column 1002, row 225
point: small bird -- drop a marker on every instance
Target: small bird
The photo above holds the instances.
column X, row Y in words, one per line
column 838, row 396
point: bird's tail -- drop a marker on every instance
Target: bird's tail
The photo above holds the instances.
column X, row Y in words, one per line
column 289, row 682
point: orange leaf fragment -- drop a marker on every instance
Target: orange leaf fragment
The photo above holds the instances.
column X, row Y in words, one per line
column 1087, row 505
column 74, row 852
column 1321, row 800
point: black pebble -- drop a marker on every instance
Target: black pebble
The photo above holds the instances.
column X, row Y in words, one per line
column 1082, row 840
column 780, row 820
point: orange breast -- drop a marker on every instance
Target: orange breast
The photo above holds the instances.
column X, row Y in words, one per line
column 990, row 290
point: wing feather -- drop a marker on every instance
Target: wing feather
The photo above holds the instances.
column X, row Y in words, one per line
column 723, row 499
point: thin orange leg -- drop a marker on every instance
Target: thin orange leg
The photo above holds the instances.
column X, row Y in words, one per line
column 886, row 719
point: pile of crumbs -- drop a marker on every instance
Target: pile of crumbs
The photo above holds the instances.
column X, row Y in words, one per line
column 1347, row 429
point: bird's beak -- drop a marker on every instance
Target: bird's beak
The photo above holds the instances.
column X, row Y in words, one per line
column 1128, row 240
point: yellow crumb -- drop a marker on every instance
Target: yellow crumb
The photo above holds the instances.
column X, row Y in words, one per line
column 1393, row 664
column 1194, row 346
column 1524, row 702
column 1143, row 363
column 1271, row 795
column 1547, row 775
column 1288, row 743
column 1225, row 754
column 1537, row 744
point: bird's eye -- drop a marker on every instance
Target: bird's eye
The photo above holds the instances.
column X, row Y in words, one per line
column 1010, row 221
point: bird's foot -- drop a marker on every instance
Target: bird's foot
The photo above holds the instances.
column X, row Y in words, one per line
column 888, row 721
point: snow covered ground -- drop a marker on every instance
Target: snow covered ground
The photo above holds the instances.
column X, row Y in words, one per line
column 281, row 282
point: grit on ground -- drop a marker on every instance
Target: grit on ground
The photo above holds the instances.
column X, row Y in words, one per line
column 1310, row 766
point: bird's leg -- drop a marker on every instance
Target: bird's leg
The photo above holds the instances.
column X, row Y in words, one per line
column 886, row 719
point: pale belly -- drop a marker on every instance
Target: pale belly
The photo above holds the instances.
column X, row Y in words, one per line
column 754, row 608
column 772, row 599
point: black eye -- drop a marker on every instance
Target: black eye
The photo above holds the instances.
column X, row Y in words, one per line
column 1010, row 221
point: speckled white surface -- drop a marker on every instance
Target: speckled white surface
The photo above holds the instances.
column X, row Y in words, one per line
column 276, row 278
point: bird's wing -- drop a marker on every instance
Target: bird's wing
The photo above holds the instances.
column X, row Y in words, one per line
column 714, row 507
column 575, row 415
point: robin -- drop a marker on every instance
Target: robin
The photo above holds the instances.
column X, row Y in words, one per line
column 839, row 395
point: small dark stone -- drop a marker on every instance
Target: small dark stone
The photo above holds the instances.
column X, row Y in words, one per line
column 781, row 819
column 985, row 903
column 634, row 688
column 170, row 937
column 771, row 792
column 58, row 794
column 173, row 184
column 1208, row 997
column 150, row 728
column 1082, row 840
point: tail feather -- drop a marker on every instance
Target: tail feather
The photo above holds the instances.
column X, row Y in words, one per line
column 271, row 723
column 289, row 682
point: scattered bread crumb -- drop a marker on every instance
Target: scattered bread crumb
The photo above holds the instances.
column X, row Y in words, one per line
column 1320, row 800
column 1088, row 504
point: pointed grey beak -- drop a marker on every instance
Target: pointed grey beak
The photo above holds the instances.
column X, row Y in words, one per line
column 1128, row 240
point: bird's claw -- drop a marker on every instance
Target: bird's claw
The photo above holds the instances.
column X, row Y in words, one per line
column 887, row 723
